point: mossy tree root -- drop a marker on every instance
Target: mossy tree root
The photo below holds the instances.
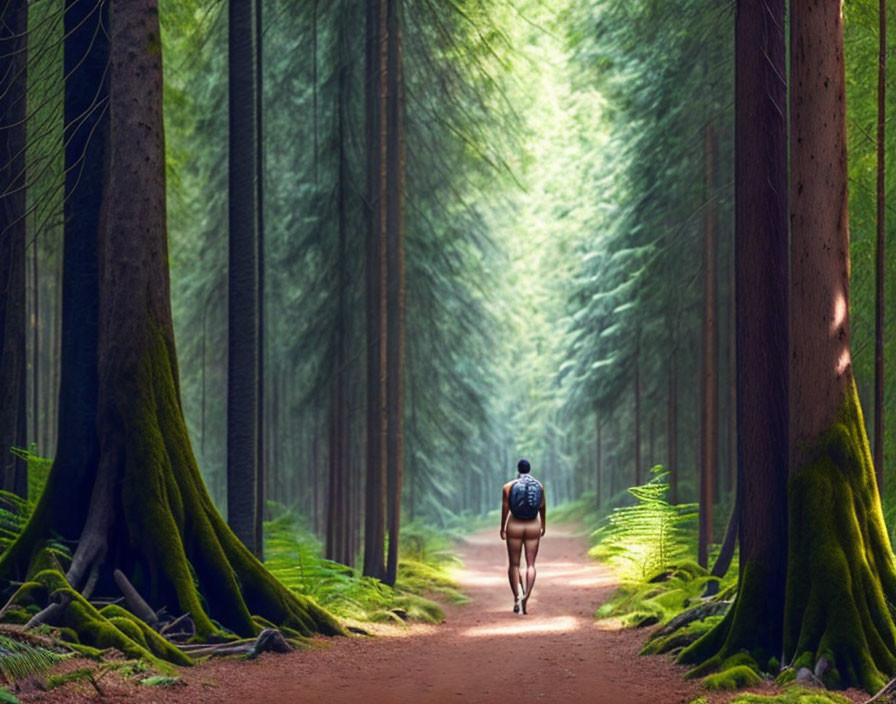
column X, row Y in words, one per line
column 841, row 576
column 150, row 516
column 748, row 626
column 836, row 618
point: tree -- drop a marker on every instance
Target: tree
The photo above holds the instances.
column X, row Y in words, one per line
column 242, row 290
column 395, row 282
column 13, row 82
column 148, row 514
column 376, row 273
column 839, row 555
column 880, row 260
column 753, row 623
column 709, row 421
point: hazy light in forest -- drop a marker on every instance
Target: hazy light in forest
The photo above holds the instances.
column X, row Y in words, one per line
column 560, row 624
column 839, row 312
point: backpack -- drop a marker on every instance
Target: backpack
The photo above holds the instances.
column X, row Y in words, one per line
column 525, row 498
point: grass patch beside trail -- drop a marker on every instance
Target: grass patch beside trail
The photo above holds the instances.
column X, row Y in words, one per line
column 295, row 556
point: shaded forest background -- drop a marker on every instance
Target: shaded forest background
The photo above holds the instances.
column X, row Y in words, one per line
column 569, row 230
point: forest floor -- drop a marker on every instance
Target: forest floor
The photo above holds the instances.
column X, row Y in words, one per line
column 482, row 653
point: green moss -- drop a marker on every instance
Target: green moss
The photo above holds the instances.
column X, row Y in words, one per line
column 841, row 572
column 67, row 635
column 48, row 558
column 94, row 629
column 86, row 651
column 792, row 695
column 733, row 678
column 29, row 594
column 184, row 553
column 785, row 677
column 17, row 616
column 680, row 638
column 146, row 636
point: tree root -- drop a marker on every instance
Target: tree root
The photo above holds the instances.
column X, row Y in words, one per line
column 136, row 603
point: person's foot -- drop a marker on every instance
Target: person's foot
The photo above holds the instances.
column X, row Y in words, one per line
column 523, row 603
column 516, row 605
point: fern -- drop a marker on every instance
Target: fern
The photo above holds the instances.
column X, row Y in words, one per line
column 293, row 555
column 19, row 660
column 649, row 537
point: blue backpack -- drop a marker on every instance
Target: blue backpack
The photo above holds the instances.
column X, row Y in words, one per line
column 525, row 498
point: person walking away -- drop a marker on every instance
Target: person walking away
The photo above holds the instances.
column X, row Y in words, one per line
column 522, row 524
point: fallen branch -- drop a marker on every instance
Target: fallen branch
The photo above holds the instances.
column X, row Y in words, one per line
column 135, row 603
column 173, row 624
column 888, row 688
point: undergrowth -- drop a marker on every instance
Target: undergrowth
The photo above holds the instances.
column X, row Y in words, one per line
column 791, row 695
column 294, row 555
column 650, row 545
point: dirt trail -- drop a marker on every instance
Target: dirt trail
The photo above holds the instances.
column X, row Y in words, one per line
column 482, row 653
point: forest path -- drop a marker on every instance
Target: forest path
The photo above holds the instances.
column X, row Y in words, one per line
column 483, row 652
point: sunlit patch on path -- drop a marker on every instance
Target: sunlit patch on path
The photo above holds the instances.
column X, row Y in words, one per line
column 560, row 624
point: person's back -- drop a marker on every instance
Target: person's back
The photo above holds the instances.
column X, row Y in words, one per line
column 522, row 524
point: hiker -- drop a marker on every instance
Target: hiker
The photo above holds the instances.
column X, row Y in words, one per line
column 522, row 523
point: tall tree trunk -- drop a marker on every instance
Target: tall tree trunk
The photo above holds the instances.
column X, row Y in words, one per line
column 841, row 578
column 753, row 623
column 732, row 375
column 242, row 298
column 395, row 337
column 86, row 116
column 710, row 386
column 35, row 331
column 638, row 409
column 339, row 516
column 672, row 417
column 597, row 458
column 13, row 331
column 149, row 515
column 881, row 238
column 260, row 473
column 376, row 82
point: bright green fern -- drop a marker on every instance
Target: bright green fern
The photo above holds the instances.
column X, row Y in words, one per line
column 19, row 660
column 643, row 540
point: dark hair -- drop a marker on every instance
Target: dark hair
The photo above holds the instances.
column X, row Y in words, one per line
column 523, row 466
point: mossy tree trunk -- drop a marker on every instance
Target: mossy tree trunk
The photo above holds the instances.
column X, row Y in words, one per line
column 13, row 75
column 840, row 577
column 761, row 251
column 149, row 514
column 840, row 573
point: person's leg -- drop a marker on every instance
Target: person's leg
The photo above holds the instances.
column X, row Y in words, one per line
column 531, row 541
column 514, row 550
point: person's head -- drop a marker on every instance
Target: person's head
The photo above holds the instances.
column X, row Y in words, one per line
column 523, row 466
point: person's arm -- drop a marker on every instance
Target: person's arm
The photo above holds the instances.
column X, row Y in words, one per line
column 542, row 510
column 505, row 509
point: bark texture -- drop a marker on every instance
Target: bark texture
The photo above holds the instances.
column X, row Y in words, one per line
column 376, row 87
column 880, row 259
column 395, row 294
column 149, row 514
column 13, row 83
column 754, row 621
column 242, row 291
column 840, row 574
column 709, row 422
